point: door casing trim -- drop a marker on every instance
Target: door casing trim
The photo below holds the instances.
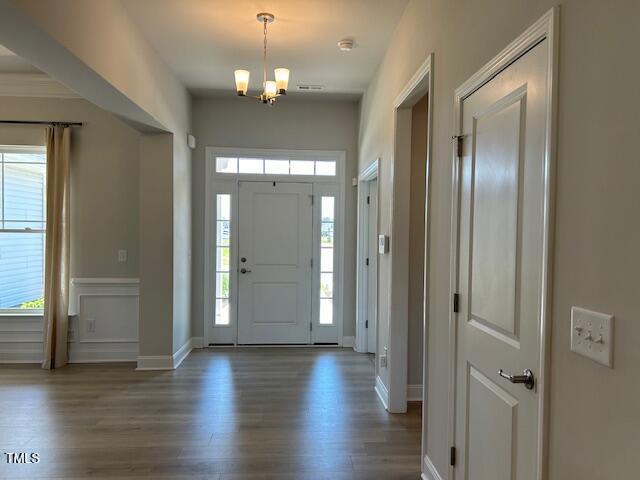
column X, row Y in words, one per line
column 545, row 28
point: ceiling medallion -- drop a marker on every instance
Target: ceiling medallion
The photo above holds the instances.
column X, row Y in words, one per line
column 270, row 89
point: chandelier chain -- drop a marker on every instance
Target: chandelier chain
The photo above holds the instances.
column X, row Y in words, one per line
column 264, row 57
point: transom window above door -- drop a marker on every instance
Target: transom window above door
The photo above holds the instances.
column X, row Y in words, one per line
column 275, row 166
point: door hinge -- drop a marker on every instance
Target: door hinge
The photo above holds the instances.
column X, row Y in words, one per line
column 366, row 262
column 456, row 302
column 366, row 324
column 311, row 197
column 311, row 326
column 459, row 139
column 452, row 457
column 368, row 199
column 311, row 262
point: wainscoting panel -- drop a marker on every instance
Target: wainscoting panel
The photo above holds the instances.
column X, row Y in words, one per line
column 103, row 325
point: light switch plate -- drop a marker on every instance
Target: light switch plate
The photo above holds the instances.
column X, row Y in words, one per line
column 122, row 256
column 383, row 244
column 592, row 335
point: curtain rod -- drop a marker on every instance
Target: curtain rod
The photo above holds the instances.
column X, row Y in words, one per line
column 34, row 122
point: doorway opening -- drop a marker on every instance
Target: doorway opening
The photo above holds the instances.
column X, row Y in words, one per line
column 402, row 332
column 367, row 272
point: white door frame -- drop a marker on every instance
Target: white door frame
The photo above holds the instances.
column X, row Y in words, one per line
column 421, row 83
column 367, row 175
column 227, row 183
column 545, row 28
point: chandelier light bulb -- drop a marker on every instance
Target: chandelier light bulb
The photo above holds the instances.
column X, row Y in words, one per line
column 242, row 81
column 270, row 89
column 282, row 80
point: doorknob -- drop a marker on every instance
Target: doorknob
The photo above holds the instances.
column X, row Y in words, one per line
column 527, row 378
column 244, row 270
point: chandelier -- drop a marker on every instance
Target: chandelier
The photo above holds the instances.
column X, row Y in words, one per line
column 270, row 89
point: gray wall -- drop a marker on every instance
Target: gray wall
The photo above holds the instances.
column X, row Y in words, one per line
column 157, row 322
column 104, row 180
column 594, row 421
column 291, row 124
column 95, row 48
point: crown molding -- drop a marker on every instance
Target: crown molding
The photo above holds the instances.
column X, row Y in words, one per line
column 33, row 85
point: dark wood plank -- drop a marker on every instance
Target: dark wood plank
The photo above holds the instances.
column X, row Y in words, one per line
column 225, row 414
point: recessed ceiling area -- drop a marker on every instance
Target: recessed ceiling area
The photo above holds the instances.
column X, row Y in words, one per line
column 204, row 41
column 12, row 63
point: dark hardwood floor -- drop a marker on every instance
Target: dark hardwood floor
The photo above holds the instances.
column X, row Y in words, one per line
column 251, row 413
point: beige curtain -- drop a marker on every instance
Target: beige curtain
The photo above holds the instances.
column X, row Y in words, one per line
column 56, row 270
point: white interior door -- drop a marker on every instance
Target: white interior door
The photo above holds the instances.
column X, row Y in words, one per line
column 500, row 271
column 372, row 272
column 275, row 252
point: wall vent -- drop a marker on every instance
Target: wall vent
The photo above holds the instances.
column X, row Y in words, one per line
column 310, row 87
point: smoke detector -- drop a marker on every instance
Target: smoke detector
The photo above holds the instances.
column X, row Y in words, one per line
column 346, row 44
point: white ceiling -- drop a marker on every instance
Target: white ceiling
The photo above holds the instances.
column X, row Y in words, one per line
column 204, row 41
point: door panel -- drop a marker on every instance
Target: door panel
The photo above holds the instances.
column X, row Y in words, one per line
column 492, row 416
column 276, row 302
column 275, row 227
column 500, row 271
column 495, row 217
column 275, row 242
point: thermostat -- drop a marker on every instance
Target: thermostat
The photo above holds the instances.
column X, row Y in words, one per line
column 383, row 244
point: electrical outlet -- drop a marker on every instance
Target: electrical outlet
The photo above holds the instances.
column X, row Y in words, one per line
column 383, row 361
column 122, row 256
column 592, row 335
column 91, row 325
column 383, row 358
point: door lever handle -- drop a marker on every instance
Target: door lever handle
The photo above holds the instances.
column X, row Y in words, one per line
column 244, row 270
column 527, row 378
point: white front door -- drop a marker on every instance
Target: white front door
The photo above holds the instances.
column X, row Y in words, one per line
column 500, row 269
column 274, row 261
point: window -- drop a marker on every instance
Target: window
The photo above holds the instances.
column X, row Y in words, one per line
column 22, row 227
column 261, row 166
column 327, row 245
column 223, row 245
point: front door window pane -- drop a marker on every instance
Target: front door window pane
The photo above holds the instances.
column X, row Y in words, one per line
column 223, row 260
column 327, row 233
column 251, row 165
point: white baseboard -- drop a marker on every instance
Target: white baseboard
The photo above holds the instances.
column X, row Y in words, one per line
column 414, row 393
column 348, row 342
column 169, row 362
column 21, row 353
column 383, row 393
column 155, row 362
column 103, row 352
column 182, row 353
column 430, row 472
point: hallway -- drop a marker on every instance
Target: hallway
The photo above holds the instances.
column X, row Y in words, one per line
column 288, row 413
